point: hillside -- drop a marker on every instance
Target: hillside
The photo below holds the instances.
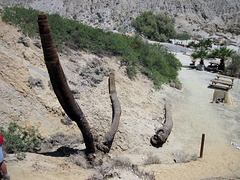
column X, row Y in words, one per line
column 216, row 17
column 26, row 97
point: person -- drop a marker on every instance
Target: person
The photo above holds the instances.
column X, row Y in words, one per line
column 3, row 166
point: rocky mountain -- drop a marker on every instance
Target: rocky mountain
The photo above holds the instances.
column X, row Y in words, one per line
column 215, row 16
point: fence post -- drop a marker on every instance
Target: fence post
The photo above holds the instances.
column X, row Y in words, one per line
column 202, row 145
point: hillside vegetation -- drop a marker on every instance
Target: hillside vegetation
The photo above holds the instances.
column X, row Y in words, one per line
column 158, row 27
column 152, row 60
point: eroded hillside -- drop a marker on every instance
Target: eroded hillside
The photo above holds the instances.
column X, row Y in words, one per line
column 27, row 97
column 216, row 16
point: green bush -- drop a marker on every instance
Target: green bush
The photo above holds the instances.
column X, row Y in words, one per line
column 154, row 61
column 233, row 68
column 18, row 139
column 131, row 71
column 204, row 43
column 158, row 27
column 182, row 36
column 25, row 19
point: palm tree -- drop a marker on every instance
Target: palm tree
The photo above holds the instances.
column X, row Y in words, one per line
column 223, row 53
column 192, row 44
column 234, row 67
column 206, row 43
column 202, row 53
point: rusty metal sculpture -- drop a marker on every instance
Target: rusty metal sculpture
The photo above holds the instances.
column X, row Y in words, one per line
column 163, row 132
column 65, row 96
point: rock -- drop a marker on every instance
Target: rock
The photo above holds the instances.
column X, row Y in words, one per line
column 94, row 72
column 37, row 43
column 24, row 40
column 66, row 121
column 172, row 84
column 35, row 82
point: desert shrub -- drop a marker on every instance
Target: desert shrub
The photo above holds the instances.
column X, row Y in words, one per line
column 94, row 72
column 160, row 66
column 80, row 159
column 154, row 61
column 182, row 36
column 24, row 19
column 152, row 160
column 35, row 82
column 18, row 139
column 155, row 27
column 122, row 161
column 158, row 27
column 131, row 71
column 233, row 68
column 60, row 138
column 194, row 157
column 176, row 84
column 183, row 157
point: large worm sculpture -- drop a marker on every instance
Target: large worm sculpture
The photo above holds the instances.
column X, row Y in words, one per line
column 65, row 95
column 106, row 143
column 163, row 132
column 60, row 84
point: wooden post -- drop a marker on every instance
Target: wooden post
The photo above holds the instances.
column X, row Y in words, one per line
column 202, row 145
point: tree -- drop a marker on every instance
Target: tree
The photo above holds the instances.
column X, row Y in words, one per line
column 202, row 54
column 65, row 96
column 201, row 49
column 206, row 43
column 234, row 67
column 193, row 44
column 222, row 53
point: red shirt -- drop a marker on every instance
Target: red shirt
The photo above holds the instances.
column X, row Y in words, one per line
column 1, row 139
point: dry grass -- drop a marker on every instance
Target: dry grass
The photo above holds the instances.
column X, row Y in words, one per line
column 80, row 160
column 182, row 157
column 119, row 167
column 122, row 161
column 152, row 160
